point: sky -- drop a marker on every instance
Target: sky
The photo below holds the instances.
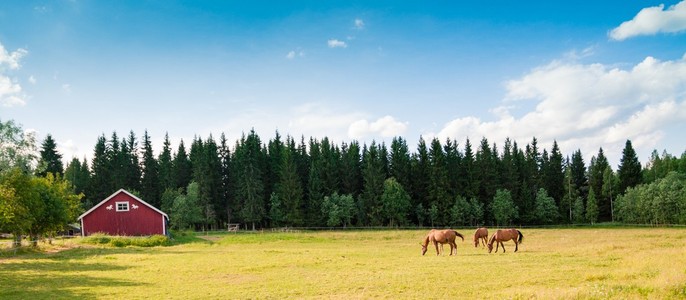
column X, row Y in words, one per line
column 587, row 74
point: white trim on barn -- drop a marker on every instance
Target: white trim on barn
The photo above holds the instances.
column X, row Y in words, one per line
column 112, row 196
column 122, row 205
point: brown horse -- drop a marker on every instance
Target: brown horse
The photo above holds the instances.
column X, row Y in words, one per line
column 446, row 236
column 481, row 234
column 504, row 235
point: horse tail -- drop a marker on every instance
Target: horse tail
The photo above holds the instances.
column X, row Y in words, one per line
column 521, row 236
column 458, row 234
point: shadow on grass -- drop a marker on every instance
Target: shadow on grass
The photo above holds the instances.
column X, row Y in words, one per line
column 59, row 276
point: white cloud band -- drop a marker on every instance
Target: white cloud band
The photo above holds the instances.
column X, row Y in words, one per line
column 587, row 106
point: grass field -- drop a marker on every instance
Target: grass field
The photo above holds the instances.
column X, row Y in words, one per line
column 589, row 263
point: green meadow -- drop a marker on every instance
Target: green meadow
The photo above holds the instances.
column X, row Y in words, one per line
column 587, row 263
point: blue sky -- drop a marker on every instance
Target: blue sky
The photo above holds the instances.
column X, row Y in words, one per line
column 587, row 74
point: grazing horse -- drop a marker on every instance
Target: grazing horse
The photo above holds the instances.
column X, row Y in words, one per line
column 481, row 234
column 446, row 236
column 504, row 235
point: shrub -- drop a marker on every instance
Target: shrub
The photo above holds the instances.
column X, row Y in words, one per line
column 122, row 241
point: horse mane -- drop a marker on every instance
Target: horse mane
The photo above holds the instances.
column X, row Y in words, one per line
column 426, row 240
column 492, row 239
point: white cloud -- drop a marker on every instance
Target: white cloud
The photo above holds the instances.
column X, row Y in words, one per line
column 41, row 9
column 11, row 60
column 359, row 24
column 293, row 54
column 68, row 150
column 334, row 43
column 311, row 119
column 586, row 106
column 10, row 91
column 652, row 20
column 385, row 127
column 32, row 79
column 66, row 88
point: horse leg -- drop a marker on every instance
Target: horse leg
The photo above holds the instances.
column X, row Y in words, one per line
column 437, row 251
column 503, row 244
column 453, row 246
column 516, row 246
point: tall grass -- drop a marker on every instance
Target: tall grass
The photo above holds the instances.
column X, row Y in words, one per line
column 589, row 263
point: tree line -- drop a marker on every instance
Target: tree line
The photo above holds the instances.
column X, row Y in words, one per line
column 316, row 183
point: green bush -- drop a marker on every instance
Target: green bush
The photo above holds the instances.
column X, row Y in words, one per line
column 123, row 241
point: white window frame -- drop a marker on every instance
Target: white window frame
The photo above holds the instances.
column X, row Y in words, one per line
column 126, row 203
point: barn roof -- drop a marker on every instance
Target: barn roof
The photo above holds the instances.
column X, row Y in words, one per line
column 126, row 192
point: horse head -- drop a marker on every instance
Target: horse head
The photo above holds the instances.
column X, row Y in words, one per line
column 490, row 247
column 424, row 248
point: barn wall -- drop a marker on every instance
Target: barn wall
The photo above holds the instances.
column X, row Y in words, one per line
column 140, row 221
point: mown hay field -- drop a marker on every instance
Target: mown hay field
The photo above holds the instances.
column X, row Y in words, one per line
column 588, row 263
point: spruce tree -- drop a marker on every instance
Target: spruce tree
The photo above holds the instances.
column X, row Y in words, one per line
column 132, row 167
column 50, row 160
column 115, row 159
column 578, row 170
column 289, row 189
column 373, row 185
column 315, row 186
column 485, row 177
column 183, row 169
column 438, row 182
column 150, row 184
column 351, row 176
column 330, row 176
column 453, row 159
column 274, row 156
column 469, row 187
column 249, row 179
column 596, row 182
column 420, row 168
column 166, row 169
column 629, row 170
column 207, row 174
column 554, row 175
column 226, row 178
column 517, row 178
column 509, row 174
column 100, row 185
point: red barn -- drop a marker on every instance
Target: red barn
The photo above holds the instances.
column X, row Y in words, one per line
column 122, row 213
